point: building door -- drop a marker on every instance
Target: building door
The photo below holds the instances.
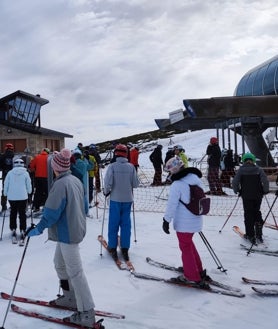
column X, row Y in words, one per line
column 19, row 144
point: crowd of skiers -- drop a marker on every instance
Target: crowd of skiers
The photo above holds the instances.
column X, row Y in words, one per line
column 66, row 221
column 18, row 175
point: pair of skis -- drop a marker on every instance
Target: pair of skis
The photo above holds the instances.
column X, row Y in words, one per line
column 48, row 318
column 272, row 226
column 227, row 289
column 220, row 288
column 261, row 248
column 122, row 265
column 262, row 291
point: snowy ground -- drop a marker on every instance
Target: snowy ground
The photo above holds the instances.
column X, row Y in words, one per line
column 147, row 304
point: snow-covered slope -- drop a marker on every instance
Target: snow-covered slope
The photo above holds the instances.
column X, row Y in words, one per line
column 148, row 304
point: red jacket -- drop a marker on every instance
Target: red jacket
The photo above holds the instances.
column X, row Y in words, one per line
column 39, row 165
column 133, row 156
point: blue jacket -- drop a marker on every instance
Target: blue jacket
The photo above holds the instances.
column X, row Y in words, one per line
column 64, row 213
column 17, row 184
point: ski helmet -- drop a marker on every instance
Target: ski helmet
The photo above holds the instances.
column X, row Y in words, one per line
column 214, row 140
column 9, row 146
column 18, row 163
column 121, row 150
column 178, row 147
column 248, row 156
column 77, row 151
column 174, row 165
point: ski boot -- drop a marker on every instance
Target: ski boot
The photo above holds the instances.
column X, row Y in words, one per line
column 67, row 299
column 125, row 254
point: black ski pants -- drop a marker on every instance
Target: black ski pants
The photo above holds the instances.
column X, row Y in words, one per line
column 18, row 207
column 252, row 215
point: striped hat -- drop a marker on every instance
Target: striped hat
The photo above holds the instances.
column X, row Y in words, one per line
column 61, row 160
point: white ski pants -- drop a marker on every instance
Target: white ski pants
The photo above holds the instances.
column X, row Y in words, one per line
column 68, row 265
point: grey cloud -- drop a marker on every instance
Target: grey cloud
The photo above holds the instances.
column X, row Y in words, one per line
column 113, row 61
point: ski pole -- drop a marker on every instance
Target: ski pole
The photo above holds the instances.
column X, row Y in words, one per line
column 270, row 209
column 158, row 197
column 3, row 225
column 16, row 279
column 102, row 226
column 230, row 214
column 96, row 202
column 211, row 251
column 133, row 210
column 144, row 175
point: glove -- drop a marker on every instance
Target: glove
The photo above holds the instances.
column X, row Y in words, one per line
column 165, row 226
column 276, row 193
column 32, row 231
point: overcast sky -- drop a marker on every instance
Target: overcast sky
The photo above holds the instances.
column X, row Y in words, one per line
column 110, row 67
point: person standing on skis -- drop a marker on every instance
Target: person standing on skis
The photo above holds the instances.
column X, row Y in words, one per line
column 184, row 221
column 119, row 181
column 251, row 183
column 17, row 186
column 64, row 215
column 214, row 155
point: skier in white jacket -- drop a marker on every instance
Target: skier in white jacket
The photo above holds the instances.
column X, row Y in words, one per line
column 185, row 223
column 17, row 186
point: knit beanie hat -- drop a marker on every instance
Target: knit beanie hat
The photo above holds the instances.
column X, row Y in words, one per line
column 61, row 160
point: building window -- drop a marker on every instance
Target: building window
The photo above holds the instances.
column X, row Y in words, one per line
column 23, row 111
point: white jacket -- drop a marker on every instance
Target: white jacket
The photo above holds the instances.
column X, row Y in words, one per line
column 183, row 219
column 17, row 184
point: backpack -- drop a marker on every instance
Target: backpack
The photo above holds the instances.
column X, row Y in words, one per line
column 199, row 203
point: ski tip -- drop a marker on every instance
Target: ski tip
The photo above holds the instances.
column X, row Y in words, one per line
column 148, row 259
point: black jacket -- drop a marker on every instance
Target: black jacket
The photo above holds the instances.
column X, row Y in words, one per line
column 156, row 157
column 251, row 182
column 214, row 155
column 6, row 161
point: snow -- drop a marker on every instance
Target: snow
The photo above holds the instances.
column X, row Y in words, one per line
column 147, row 304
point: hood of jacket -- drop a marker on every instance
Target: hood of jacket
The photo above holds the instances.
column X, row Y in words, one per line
column 185, row 171
column 18, row 170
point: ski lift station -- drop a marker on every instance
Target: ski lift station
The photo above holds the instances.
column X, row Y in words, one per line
column 249, row 113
